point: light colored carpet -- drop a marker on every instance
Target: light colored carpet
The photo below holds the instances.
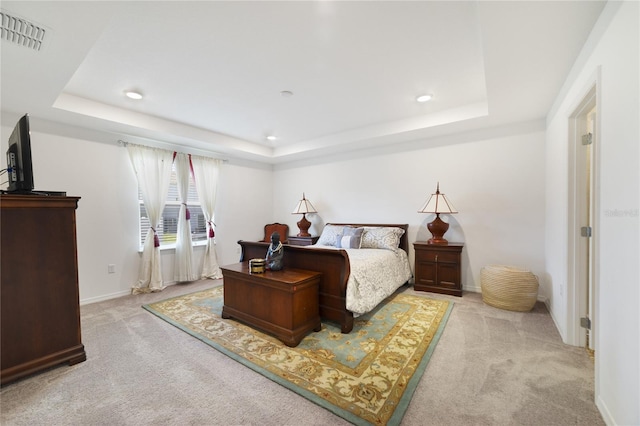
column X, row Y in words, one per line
column 491, row 367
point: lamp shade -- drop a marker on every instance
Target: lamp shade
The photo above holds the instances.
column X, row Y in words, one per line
column 438, row 203
column 304, row 206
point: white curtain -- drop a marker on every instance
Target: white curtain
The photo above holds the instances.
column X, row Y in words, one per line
column 184, row 270
column 206, row 172
column 153, row 171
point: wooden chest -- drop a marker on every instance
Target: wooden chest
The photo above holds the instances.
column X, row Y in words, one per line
column 283, row 303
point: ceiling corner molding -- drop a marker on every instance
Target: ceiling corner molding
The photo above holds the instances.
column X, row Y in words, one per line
column 390, row 131
column 166, row 130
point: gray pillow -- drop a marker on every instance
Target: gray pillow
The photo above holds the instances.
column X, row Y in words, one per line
column 329, row 235
column 350, row 238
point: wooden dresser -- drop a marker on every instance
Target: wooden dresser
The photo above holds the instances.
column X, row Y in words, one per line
column 40, row 316
column 438, row 268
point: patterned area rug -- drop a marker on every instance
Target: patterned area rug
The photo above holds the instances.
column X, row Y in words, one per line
column 366, row 377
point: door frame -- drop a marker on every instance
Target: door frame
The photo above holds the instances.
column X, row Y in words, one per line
column 576, row 293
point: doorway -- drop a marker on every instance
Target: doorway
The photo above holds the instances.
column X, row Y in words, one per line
column 582, row 220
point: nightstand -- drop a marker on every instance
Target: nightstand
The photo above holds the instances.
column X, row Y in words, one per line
column 303, row 241
column 438, row 268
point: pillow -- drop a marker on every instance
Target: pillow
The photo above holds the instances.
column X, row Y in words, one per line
column 382, row 238
column 350, row 238
column 329, row 235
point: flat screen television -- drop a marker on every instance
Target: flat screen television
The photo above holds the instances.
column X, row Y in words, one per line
column 19, row 167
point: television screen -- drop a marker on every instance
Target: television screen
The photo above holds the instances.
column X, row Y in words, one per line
column 19, row 167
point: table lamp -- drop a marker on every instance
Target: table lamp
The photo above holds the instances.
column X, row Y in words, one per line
column 438, row 203
column 304, row 206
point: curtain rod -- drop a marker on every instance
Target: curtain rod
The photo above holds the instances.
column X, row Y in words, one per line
column 209, row 154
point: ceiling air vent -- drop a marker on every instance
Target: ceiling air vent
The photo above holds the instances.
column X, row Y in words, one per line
column 22, row 32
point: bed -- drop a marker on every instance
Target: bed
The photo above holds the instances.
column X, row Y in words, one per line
column 350, row 283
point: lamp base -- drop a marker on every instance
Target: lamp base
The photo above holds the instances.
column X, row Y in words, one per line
column 303, row 226
column 437, row 228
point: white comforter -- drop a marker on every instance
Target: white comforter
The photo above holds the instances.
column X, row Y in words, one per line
column 375, row 275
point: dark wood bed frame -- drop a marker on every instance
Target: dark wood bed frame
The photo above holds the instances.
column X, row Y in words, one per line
column 334, row 265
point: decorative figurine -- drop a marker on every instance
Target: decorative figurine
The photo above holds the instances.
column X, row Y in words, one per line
column 275, row 253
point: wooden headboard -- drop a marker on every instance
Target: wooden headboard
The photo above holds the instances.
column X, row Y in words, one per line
column 404, row 240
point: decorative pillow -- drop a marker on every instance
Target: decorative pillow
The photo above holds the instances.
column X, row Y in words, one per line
column 329, row 235
column 382, row 238
column 350, row 238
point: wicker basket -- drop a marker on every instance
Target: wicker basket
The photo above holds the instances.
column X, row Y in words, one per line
column 508, row 287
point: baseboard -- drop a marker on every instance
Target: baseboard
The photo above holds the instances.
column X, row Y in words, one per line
column 476, row 289
column 104, row 297
column 473, row 289
column 604, row 412
column 113, row 295
column 563, row 336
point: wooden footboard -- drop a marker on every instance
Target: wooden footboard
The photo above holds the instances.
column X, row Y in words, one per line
column 334, row 265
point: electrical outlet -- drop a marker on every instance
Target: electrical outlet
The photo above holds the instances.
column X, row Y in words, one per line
column 111, row 268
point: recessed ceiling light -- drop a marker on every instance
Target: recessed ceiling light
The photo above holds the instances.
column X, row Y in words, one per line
column 286, row 93
column 131, row 94
column 424, row 98
column 271, row 138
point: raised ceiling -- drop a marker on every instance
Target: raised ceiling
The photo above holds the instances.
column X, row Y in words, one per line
column 212, row 73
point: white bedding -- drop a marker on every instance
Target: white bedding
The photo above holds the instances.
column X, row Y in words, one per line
column 375, row 275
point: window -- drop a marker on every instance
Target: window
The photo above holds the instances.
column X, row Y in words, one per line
column 168, row 227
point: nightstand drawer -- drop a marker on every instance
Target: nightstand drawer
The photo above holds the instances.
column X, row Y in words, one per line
column 437, row 256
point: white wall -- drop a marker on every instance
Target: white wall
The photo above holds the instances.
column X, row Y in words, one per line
column 615, row 57
column 503, row 173
column 496, row 184
column 107, row 224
